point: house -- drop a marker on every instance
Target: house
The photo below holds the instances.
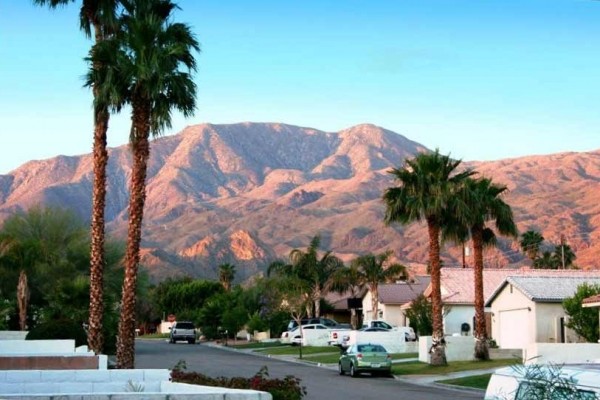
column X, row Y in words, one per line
column 528, row 308
column 391, row 298
column 593, row 301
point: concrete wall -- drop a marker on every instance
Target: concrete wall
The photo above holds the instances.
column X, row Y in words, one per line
column 562, row 353
column 48, row 354
column 393, row 314
column 13, row 335
column 458, row 348
column 37, row 347
column 393, row 341
column 457, row 315
column 315, row 337
column 136, row 384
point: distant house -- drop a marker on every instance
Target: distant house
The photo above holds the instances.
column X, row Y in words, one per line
column 528, row 308
column 392, row 296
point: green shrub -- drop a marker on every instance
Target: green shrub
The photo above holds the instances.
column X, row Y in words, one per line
column 287, row 388
column 58, row 329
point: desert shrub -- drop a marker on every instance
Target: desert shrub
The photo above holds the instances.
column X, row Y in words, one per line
column 287, row 388
column 58, row 329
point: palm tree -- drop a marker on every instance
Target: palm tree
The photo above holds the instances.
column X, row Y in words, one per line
column 373, row 270
column 350, row 280
column 530, row 243
column 101, row 15
column 484, row 203
column 226, row 275
column 546, row 261
column 318, row 273
column 142, row 66
column 564, row 256
column 428, row 184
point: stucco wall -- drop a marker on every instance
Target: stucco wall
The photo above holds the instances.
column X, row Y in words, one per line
column 514, row 300
column 458, row 348
column 562, row 353
column 548, row 326
column 13, row 335
column 457, row 315
column 393, row 314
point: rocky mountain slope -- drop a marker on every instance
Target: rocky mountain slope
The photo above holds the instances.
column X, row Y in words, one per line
column 249, row 193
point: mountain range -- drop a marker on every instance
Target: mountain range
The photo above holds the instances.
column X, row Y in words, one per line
column 249, row 193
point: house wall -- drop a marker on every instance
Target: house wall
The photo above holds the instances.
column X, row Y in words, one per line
column 393, row 314
column 512, row 300
column 548, row 324
column 457, row 315
column 562, row 353
column 366, row 303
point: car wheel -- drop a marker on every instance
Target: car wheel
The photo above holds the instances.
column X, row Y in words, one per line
column 340, row 369
column 172, row 341
column 191, row 341
column 353, row 372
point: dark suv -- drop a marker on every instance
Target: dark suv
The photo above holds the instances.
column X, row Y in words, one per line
column 183, row 330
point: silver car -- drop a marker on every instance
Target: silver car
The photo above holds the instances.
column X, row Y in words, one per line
column 183, row 330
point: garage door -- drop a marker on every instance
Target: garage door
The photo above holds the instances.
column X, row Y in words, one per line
column 514, row 329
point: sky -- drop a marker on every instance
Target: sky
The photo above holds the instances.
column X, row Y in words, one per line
column 481, row 80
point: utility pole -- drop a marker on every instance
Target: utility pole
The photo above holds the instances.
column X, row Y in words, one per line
column 562, row 249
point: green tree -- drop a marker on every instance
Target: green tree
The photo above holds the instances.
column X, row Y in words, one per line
column 318, row 273
column 99, row 15
column 530, row 243
column 420, row 315
column 584, row 321
column 545, row 261
column 427, row 188
column 483, row 201
column 564, row 257
column 376, row 269
column 146, row 64
column 226, row 275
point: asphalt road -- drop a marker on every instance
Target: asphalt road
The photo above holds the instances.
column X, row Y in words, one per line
column 321, row 383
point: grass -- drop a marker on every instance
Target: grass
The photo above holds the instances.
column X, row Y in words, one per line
column 294, row 350
column 333, row 358
column 475, row 381
column 257, row 345
column 419, row 368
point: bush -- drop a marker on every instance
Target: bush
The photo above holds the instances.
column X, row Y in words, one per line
column 58, row 329
column 287, row 388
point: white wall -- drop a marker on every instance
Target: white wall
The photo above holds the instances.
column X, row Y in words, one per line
column 393, row 341
column 562, row 353
column 315, row 337
column 458, row 348
column 13, row 335
column 457, row 315
column 507, row 301
column 393, row 314
column 37, row 347
column 548, row 325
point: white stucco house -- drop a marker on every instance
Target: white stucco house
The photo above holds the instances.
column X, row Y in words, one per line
column 391, row 298
column 528, row 309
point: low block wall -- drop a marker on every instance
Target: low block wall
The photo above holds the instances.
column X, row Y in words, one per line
column 458, row 348
column 562, row 353
column 13, row 335
column 48, row 362
column 37, row 347
column 134, row 384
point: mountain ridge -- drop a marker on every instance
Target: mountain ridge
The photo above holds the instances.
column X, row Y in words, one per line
column 249, row 193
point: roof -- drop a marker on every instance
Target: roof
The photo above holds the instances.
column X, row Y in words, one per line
column 403, row 292
column 339, row 301
column 457, row 285
column 546, row 289
column 593, row 301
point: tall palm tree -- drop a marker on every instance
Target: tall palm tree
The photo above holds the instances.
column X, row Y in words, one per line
column 428, row 184
column 484, row 203
column 350, row 280
column 101, row 16
column 373, row 270
column 530, row 243
column 147, row 64
column 226, row 275
column 564, row 256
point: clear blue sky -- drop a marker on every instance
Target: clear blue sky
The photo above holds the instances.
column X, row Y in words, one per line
column 480, row 79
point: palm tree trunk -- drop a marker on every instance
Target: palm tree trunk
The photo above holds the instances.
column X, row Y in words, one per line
column 375, row 301
column 438, row 344
column 96, row 311
column 317, row 302
column 22, row 300
column 481, row 344
column 141, row 153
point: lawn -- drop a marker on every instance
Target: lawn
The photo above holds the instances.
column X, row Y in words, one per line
column 419, row 368
column 333, row 358
column 256, row 345
column 294, row 350
column 475, row 381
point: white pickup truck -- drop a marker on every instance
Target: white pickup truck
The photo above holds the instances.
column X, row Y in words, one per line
column 341, row 337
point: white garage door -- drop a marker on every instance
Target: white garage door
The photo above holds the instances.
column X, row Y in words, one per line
column 514, row 329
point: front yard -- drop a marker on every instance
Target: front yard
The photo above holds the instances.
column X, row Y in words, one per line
column 420, row 368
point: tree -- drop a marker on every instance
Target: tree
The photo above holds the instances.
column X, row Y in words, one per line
column 350, row 280
column 101, row 15
column 545, row 261
column 318, row 273
column 530, row 243
column 22, row 300
column 374, row 269
column 564, row 256
column 584, row 321
column 483, row 202
column 428, row 185
column 147, row 64
column 226, row 275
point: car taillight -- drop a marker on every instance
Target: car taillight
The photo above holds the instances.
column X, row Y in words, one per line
column 389, row 357
column 359, row 355
column 335, row 335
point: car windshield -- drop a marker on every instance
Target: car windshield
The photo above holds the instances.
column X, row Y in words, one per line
column 184, row 325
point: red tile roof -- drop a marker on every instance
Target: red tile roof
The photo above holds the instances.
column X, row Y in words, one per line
column 592, row 299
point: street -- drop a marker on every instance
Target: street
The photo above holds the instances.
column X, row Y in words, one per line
column 321, row 383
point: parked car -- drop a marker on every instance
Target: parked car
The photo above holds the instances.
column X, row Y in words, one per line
column 183, row 330
column 330, row 323
column 374, row 329
column 365, row 357
column 296, row 337
column 409, row 333
column 580, row 381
